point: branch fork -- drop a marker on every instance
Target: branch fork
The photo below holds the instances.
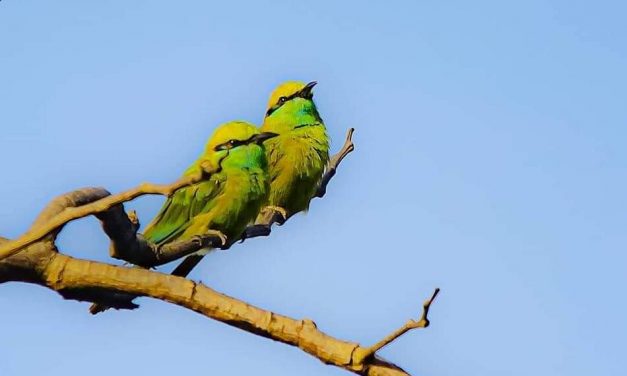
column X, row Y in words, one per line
column 34, row 258
column 423, row 322
column 54, row 224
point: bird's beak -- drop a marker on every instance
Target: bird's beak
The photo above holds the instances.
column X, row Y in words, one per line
column 261, row 137
column 306, row 92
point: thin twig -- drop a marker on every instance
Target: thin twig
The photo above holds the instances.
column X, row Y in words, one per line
column 334, row 163
column 264, row 227
column 423, row 322
column 72, row 213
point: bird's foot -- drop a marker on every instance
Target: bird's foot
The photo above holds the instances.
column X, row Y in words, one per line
column 211, row 235
column 278, row 214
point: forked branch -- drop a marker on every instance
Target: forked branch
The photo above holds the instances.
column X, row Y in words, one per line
column 85, row 280
column 42, row 228
column 423, row 322
column 39, row 262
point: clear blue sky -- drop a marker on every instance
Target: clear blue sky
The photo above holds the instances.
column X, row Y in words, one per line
column 491, row 158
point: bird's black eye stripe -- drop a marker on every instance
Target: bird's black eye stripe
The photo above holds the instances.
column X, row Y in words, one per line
column 281, row 102
column 272, row 109
column 230, row 144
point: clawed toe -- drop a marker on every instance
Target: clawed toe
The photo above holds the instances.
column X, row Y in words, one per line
column 203, row 239
column 277, row 210
column 219, row 234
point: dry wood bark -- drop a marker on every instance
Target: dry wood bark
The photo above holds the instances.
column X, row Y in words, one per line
column 34, row 258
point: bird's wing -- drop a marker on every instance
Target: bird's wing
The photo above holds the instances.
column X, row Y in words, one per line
column 179, row 210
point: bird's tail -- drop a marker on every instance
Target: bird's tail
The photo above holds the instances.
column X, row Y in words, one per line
column 187, row 265
column 117, row 301
column 96, row 308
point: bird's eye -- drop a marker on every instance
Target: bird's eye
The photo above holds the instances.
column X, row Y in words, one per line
column 282, row 100
column 232, row 142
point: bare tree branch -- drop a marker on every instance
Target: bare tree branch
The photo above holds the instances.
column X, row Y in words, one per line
column 128, row 245
column 86, row 280
column 61, row 203
column 98, row 202
column 34, row 258
column 48, row 224
column 423, row 322
column 334, row 163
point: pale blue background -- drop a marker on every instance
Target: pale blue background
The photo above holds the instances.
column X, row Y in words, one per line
column 490, row 162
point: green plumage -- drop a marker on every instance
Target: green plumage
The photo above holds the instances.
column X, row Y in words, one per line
column 228, row 200
column 298, row 156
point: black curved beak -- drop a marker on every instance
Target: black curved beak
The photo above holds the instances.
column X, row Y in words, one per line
column 261, row 137
column 306, row 92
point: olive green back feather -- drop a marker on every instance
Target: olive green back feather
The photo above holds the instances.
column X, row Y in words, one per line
column 227, row 201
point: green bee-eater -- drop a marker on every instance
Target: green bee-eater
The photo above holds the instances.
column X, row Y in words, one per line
column 298, row 156
column 224, row 203
column 227, row 201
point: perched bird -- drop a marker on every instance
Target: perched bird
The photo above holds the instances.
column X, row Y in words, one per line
column 298, row 156
column 227, row 201
column 221, row 205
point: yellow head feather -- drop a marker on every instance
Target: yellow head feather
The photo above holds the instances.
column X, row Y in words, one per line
column 285, row 90
column 233, row 130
